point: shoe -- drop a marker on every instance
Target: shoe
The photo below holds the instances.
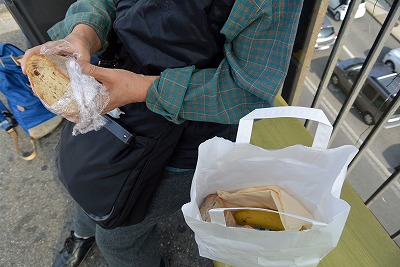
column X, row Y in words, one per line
column 164, row 262
column 74, row 252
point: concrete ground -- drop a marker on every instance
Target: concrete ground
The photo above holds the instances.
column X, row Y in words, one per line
column 379, row 10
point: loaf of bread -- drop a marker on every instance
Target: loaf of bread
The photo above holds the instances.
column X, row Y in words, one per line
column 49, row 79
column 213, row 201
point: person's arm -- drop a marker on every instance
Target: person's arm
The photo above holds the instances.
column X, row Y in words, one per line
column 260, row 36
column 85, row 26
column 98, row 15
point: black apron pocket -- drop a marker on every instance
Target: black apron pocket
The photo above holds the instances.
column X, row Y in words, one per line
column 113, row 182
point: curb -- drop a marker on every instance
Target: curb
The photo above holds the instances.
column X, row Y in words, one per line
column 379, row 14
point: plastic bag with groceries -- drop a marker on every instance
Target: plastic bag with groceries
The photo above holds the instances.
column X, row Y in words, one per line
column 255, row 207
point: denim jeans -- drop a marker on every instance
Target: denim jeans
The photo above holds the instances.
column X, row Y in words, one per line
column 138, row 245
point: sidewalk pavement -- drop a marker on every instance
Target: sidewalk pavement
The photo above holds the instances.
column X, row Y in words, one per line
column 379, row 10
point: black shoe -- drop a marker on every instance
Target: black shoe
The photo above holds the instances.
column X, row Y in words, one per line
column 74, row 251
column 164, row 262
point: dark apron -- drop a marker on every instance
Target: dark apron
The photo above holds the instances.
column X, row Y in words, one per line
column 112, row 181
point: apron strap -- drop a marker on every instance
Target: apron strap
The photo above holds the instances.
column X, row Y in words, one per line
column 14, row 137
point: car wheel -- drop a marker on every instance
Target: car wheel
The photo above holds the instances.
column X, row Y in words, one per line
column 368, row 118
column 335, row 80
column 390, row 64
column 337, row 16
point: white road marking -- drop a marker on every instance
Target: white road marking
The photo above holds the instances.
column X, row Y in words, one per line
column 348, row 51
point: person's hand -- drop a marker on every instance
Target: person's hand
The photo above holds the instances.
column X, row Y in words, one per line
column 82, row 41
column 124, row 87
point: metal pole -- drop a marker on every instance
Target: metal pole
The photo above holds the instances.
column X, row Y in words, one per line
column 316, row 16
column 373, row 54
column 395, row 175
column 395, row 234
column 334, row 55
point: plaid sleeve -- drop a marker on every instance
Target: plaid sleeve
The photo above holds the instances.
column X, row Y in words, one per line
column 97, row 14
column 259, row 41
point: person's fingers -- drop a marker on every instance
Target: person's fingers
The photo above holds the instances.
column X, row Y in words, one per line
column 99, row 73
column 84, row 58
column 59, row 47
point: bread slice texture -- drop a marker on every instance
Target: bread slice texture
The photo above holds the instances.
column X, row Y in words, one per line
column 49, row 80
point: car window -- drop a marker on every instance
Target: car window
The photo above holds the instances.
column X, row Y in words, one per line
column 369, row 92
column 380, row 103
column 352, row 75
column 326, row 32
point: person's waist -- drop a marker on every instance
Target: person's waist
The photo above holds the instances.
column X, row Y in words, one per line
column 185, row 153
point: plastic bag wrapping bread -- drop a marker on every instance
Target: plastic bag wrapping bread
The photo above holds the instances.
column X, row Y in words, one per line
column 64, row 89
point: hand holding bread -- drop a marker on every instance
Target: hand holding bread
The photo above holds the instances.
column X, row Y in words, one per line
column 83, row 39
column 50, row 82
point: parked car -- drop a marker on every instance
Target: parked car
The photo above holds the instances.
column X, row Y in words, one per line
column 392, row 59
column 339, row 8
column 377, row 92
column 327, row 36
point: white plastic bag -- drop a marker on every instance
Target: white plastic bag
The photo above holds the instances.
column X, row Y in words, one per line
column 313, row 175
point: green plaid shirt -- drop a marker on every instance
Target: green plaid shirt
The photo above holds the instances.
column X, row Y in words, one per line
column 259, row 41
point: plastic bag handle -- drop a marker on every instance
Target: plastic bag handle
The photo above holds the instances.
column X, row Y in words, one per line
column 217, row 216
column 322, row 135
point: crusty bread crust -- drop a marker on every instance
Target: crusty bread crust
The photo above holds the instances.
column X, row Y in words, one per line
column 49, row 79
column 212, row 201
